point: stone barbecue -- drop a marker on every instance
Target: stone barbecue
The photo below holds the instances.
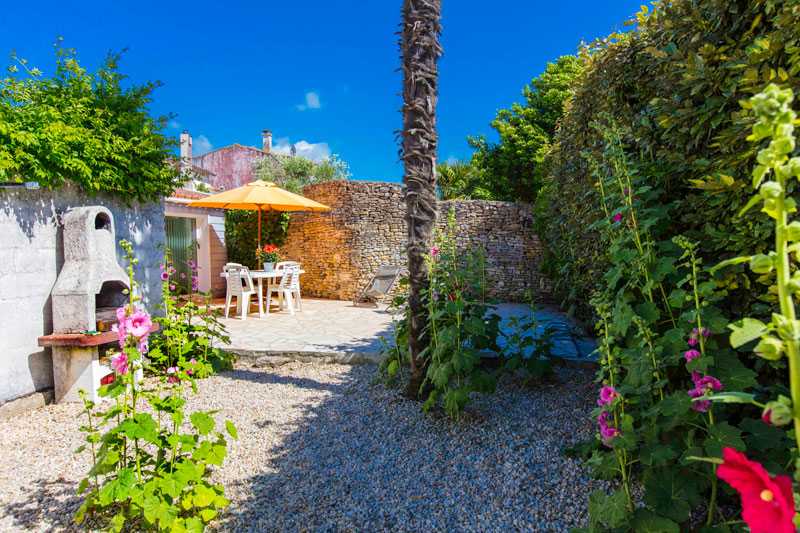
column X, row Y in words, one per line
column 89, row 288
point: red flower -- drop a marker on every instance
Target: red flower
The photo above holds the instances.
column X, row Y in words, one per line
column 269, row 248
column 767, row 502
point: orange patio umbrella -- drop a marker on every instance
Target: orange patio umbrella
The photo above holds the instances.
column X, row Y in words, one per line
column 260, row 196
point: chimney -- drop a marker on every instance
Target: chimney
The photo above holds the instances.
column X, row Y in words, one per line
column 266, row 139
column 186, row 151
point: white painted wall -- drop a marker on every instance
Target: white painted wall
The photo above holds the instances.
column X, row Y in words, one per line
column 31, row 255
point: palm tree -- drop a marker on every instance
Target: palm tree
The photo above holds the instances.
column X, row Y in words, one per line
column 420, row 51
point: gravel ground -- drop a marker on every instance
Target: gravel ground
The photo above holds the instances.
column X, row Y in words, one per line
column 325, row 448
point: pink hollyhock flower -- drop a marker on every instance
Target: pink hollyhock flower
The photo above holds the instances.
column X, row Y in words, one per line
column 691, row 355
column 164, row 276
column 192, row 362
column 172, row 374
column 119, row 363
column 434, row 251
column 702, row 386
column 692, row 341
column 767, row 501
column 195, row 283
column 607, row 395
column 607, row 432
column 617, row 217
column 172, row 287
column 191, row 264
column 119, row 327
column 139, row 324
column 144, row 346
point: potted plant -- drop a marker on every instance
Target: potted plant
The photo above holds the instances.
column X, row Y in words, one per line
column 268, row 255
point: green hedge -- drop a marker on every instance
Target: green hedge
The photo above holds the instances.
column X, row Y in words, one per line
column 241, row 234
column 675, row 84
column 648, row 172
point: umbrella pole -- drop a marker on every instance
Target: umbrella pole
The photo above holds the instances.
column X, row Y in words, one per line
column 259, row 234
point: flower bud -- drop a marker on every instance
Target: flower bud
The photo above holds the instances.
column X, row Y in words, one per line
column 770, row 348
column 771, row 189
column 762, row 264
column 778, row 413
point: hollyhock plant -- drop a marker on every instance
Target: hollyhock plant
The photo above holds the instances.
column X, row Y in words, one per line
column 703, row 385
column 691, row 355
column 434, row 251
column 172, row 374
column 607, row 395
column 119, row 363
column 617, row 217
column 139, row 324
column 607, row 431
column 767, row 501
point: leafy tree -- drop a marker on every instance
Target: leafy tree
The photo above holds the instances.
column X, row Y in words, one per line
column 461, row 180
column 420, row 51
column 83, row 127
column 293, row 173
column 513, row 168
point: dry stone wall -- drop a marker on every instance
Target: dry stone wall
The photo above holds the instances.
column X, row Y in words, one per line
column 340, row 250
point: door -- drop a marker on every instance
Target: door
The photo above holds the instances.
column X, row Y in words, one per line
column 182, row 246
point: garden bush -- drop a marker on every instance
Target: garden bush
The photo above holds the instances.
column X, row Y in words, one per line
column 91, row 128
column 648, row 175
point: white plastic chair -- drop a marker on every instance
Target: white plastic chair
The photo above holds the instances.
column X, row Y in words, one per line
column 274, row 282
column 240, row 285
column 288, row 289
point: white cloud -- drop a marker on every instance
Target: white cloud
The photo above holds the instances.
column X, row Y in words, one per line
column 312, row 151
column 312, row 102
column 201, row 145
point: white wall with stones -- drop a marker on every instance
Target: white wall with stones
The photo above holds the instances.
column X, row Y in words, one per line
column 31, row 255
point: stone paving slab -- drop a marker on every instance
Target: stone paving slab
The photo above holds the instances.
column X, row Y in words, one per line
column 337, row 331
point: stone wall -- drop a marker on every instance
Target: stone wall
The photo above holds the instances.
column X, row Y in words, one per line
column 340, row 250
column 31, row 255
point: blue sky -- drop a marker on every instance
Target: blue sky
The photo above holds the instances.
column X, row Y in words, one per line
column 320, row 73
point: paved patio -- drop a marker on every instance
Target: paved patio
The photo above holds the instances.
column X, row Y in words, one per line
column 329, row 329
column 337, row 331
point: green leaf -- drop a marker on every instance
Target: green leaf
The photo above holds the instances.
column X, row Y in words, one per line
column 732, row 397
column 203, row 496
column 203, row 422
column 666, row 493
column 231, row 429
column 746, row 330
column 645, row 521
column 723, row 435
column 610, row 510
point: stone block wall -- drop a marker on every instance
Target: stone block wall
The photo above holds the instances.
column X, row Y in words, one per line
column 31, row 256
column 340, row 250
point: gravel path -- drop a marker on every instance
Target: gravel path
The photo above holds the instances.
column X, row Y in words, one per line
column 324, row 448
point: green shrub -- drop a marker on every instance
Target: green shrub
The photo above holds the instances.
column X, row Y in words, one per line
column 674, row 84
column 93, row 129
column 241, row 234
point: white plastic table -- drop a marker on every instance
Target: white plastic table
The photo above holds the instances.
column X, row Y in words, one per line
column 260, row 276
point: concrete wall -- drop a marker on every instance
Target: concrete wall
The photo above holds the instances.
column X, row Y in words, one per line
column 340, row 250
column 31, row 255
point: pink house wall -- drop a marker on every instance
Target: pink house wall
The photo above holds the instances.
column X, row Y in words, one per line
column 232, row 165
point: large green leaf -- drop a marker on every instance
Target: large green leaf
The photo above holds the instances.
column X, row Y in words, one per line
column 608, row 509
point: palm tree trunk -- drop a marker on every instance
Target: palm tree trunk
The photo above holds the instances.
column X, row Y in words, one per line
column 420, row 50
